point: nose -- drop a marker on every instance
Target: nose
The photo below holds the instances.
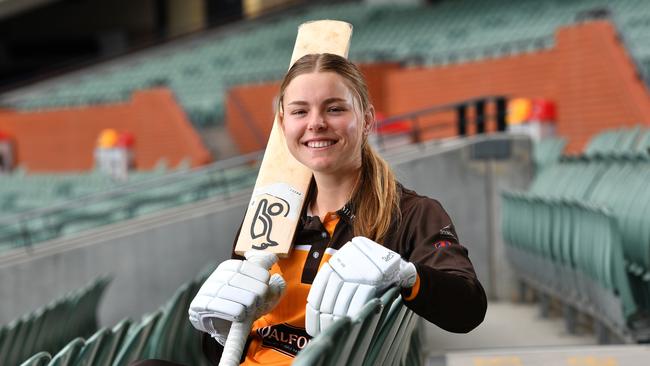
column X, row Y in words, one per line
column 317, row 123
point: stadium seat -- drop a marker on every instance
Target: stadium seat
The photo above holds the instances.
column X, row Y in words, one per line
column 547, row 151
column 111, row 343
column 325, row 349
column 315, row 353
column 50, row 327
column 363, row 328
column 68, row 355
column 167, row 332
column 39, row 359
column 381, row 334
column 389, row 330
column 136, row 339
column 90, row 353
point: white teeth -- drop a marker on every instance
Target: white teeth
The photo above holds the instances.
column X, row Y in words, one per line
column 317, row 144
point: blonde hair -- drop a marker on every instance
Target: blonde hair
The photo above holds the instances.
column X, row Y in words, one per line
column 374, row 197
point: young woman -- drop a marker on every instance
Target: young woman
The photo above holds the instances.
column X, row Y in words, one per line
column 360, row 233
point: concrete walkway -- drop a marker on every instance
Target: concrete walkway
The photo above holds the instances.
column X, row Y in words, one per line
column 507, row 326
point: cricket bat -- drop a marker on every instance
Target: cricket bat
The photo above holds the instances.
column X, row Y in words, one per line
column 282, row 182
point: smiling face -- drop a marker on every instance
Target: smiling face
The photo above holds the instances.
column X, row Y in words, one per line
column 322, row 124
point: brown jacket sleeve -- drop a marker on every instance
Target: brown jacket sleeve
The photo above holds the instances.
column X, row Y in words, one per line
column 449, row 295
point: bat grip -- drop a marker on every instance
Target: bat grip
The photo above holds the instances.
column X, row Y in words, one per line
column 239, row 331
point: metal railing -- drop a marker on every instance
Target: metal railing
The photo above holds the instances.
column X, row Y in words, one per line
column 480, row 118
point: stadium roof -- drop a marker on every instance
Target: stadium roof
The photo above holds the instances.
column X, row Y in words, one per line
column 12, row 7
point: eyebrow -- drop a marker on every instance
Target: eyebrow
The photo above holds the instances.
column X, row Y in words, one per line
column 326, row 101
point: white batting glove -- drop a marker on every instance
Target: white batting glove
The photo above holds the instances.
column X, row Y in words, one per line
column 235, row 291
column 358, row 272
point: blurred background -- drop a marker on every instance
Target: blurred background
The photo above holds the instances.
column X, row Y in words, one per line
column 131, row 133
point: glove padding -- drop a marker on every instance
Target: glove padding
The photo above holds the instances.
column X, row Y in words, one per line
column 358, row 272
column 235, row 291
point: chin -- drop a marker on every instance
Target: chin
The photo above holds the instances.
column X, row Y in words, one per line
column 319, row 167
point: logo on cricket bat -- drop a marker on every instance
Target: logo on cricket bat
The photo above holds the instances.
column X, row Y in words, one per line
column 261, row 228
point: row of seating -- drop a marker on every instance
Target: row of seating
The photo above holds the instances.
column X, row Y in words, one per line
column 164, row 334
column 574, row 251
column 151, row 192
column 623, row 141
column 582, row 230
column 21, row 192
column 201, row 69
column 383, row 333
column 53, row 325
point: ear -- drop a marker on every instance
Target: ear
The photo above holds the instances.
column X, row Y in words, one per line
column 281, row 120
column 368, row 120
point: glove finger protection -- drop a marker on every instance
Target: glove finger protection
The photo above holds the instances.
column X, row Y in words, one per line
column 358, row 272
column 235, row 291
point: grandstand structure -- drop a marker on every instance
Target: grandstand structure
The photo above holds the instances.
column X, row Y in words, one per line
column 201, row 69
column 565, row 218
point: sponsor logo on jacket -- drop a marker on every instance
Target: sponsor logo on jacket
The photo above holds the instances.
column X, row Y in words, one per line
column 284, row 338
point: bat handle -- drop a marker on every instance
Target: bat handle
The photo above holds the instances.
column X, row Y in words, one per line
column 239, row 331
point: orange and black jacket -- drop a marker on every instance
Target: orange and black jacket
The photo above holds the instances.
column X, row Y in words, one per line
column 447, row 292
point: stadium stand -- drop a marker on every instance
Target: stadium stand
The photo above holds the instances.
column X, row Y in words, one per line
column 199, row 70
column 585, row 218
column 50, row 327
column 579, row 233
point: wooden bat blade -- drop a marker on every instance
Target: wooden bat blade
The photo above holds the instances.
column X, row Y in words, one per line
column 282, row 182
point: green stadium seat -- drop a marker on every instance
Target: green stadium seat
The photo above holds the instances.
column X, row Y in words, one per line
column 387, row 332
column 315, row 353
column 50, row 327
column 325, row 349
column 547, row 151
column 39, row 359
column 112, row 342
column 68, row 355
column 415, row 354
column 363, row 328
column 136, row 340
column 90, row 353
column 397, row 354
column 165, row 337
column 10, row 343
